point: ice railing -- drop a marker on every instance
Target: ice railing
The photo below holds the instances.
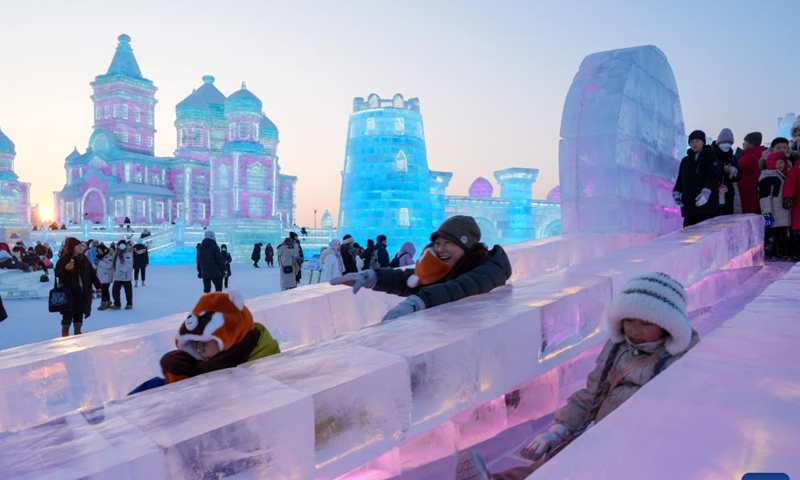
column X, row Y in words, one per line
column 383, row 399
column 728, row 408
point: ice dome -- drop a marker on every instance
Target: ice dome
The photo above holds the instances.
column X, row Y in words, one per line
column 481, row 188
column 554, row 195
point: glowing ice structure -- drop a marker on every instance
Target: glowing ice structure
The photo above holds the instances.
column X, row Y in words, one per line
column 444, row 372
column 622, row 133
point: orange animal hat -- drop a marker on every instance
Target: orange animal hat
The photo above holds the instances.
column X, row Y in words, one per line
column 428, row 269
column 219, row 316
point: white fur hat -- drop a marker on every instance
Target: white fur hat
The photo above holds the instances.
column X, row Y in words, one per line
column 656, row 298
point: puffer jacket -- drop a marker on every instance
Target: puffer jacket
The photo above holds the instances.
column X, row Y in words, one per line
column 287, row 256
column 483, row 278
column 331, row 261
column 209, row 260
column 406, row 254
column 573, row 414
column 123, row 267
column 770, row 197
column 105, row 268
column 78, row 281
column 141, row 258
column 749, row 171
column 695, row 175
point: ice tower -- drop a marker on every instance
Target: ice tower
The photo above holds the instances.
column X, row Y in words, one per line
column 14, row 195
column 386, row 183
column 621, row 136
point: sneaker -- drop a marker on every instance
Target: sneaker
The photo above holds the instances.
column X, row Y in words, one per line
column 114, row 307
column 143, row 283
column 135, row 284
column 128, row 307
column 470, row 466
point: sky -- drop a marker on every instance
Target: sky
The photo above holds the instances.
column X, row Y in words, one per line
column 491, row 77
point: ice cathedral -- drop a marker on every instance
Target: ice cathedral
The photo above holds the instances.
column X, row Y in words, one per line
column 225, row 170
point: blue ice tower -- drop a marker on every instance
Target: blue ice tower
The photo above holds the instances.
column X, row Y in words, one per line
column 386, row 183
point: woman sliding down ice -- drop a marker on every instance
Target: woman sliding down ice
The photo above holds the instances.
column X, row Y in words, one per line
column 649, row 330
column 454, row 266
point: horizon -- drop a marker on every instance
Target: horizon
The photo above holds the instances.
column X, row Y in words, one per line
column 481, row 72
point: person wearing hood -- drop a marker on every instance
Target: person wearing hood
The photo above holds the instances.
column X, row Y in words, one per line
column 649, row 328
column 453, row 266
column 289, row 264
column 404, row 257
column 269, row 255
column 696, row 190
column 123, row 276
column 256, row 255
column 141, row 259
column 210, row 265
column 77, row 276
column 723, row 149
column 331, row 261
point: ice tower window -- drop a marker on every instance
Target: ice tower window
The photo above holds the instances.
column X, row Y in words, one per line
column 401, row 162
column 160, row 210
column 124, row 137
column 137, row 114
column 244, row 130
column 224, row 176
column 197, row 137
column 105, row 111
column 201, row 211
column 125, row 111
column 179, row 210
column 399, row 126
column 117, row 110
column 370, row 126
column 149, row 118
column 137, row 139
column 140, row 206
column 118, row 208
column 70, row 210
column 255, row 206
column 150, row 142
column 256, row 178
column 97, row 113
column 403, row 218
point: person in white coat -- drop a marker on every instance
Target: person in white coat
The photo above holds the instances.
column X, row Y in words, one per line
column 123, row 276
column 105, row 272
column 331, row 261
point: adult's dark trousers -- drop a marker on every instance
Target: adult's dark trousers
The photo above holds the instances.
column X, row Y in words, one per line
column 217, row 284
column 690, row 220
column 136, row 273
column 128, row 292
column 68, row 318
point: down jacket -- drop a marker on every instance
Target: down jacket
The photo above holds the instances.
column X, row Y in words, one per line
column 123, row 266
column 492, row 273
column 791, row 189
column 749, row 171
column 209, row 260
column 694, row 175
column 78, row 280
column 105, row 268
column 573, row 414
column 770, row 197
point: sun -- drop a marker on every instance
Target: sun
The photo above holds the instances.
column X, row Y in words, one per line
column 45, row 214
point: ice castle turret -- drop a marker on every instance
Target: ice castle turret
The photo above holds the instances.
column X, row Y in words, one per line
column 14, row 195
column 439, row 183
column 124, row 101
column 386, row 180
column 516, row 186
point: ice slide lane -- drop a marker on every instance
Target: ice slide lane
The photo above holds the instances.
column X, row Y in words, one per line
column 163, row 430
column 729, row 407
column 51, row 378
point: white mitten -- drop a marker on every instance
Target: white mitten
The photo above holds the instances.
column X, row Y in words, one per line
column 542, row 443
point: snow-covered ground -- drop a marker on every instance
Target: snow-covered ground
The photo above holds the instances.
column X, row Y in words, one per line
column 170, row 289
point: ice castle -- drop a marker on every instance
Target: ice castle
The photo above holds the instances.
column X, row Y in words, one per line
column 388, row 187
column 225, row 173
column 14, row 195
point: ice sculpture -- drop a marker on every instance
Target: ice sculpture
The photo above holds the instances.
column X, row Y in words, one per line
column 386, row 180
column 622, row 135
column 14, row 195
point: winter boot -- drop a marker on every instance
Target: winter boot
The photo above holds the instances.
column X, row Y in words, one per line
column 128, row 306
column 78, row 326
column 470, row 466
column 794, row 245
column 115, row 307
column 143, row 284
column 65, row 331
column 104, row 305
column 769, row 248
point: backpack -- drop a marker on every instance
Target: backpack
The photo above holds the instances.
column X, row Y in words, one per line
column 395, row 263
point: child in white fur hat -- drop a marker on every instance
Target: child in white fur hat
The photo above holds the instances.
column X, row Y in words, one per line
column 649, row 330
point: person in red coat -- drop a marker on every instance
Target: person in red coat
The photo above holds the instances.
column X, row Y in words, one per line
column 750, row 172
column 791, row 201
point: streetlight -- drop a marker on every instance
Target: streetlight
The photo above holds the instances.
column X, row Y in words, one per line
column 315, row 219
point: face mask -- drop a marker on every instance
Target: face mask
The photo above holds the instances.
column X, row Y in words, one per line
column 725, row 147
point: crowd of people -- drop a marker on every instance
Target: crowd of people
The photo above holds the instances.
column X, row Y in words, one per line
column 89, row 270
column 27, row 259
column 717, row 180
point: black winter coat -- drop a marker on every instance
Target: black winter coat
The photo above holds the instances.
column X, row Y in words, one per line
column 492, row 273
column 78, row 282
column 694, row 176
column 209, row 260
column 383, row 255
column 141, row 258
column 727, row 159
column 348, row 259
column 256, row 256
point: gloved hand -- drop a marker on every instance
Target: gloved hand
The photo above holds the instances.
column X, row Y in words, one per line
column 367, row 279
column 732, row 171
column 409, row 305
column 543, row 442
column 768, row 220
column 788, row 203
column 702, row 198
column 677, row 197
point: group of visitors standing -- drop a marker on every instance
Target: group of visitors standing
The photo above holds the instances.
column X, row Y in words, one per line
column 85, row 268
column 716, row 180
column 269, row 254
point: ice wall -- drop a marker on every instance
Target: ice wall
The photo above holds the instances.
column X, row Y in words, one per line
column 622, row 136
column 389, row 397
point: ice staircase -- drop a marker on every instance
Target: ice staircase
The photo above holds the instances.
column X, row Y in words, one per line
column 342, row 400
